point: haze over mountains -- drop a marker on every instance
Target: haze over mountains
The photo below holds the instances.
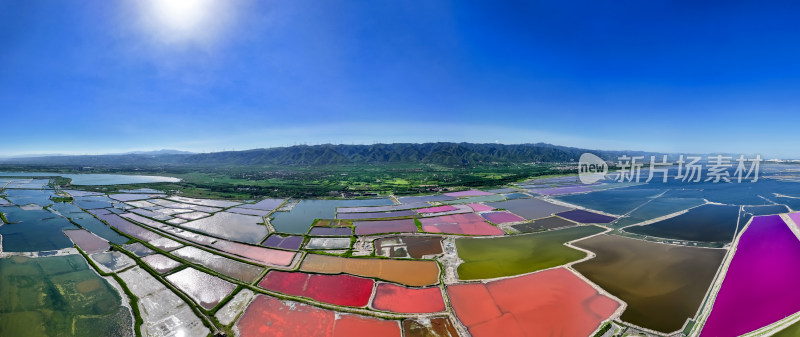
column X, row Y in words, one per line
column 328, row 154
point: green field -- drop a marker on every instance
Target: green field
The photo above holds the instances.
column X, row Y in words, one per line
column 514, row 255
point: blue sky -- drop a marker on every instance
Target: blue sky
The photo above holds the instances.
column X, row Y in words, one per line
column 204, row 75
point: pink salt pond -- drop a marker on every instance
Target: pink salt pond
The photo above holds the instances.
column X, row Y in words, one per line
column 269, row 316
column 87, row 241
column 436, row 209
column 341, row 289
column 467, row 223
column 554, row 302
column 480, row 207
column 395, row 298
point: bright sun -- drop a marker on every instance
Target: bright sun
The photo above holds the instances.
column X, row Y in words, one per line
column 176, row 21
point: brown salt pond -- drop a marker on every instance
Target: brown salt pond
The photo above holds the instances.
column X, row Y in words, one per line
column 206, row 290
column 408, row 246
column 429, row 327
column 87, row 241
column 269, row 316
column 662, row 284
column 408, row 272
column 554, row 302
column 395, row 298
column 238, row 270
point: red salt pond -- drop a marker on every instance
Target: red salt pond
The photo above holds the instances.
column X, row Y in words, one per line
column 385, row 226
column 468, row 223
column 555, row 302
column 395, row 298
column 437, row 209
column 269, row 316
column 87, row 241
column 341, row 289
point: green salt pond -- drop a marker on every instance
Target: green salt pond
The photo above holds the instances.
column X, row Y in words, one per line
column 520, row 254
column 58, row 296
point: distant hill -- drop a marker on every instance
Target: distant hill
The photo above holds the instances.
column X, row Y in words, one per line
column 450, row 154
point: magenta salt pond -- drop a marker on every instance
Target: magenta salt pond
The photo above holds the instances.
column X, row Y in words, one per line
column 760, row 286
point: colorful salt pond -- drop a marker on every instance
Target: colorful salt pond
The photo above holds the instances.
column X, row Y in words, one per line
column 663, row 285
column 328, row 243
column 377, row 215
column 344, row 290
column 372, row 209
column 408, row 246
column 550, row 303
column 112, row 261
column 269, row 316
column 231, row 310
column 205, row 202
column 87, row 241
column 138, row 249
column 206, row 290
column 59, row 296
column 133, row 196
column 334, row 231
column 530, row 208
column 501, row 217
column 394, row 298
column 265, row 205
column 238, row 270
column 480, row 207
column 33, row 230
column 486, row 258
column 468, row 224
column 512, row 196
column 544, row 224
column 408, row 272
column 292, row 242
column 161, row 263
column 237, row 227
column 157, row 302
column 476, row 199
column 88, row 222
column 93, row 202
column 582, row 216
column 248, row 211
column 424, row 198
column 470, row 193
column 436, row 209
column 760, row 284
column 429, row 327
column 707, row 223
column 305, row 212
column 385, row 226
column 457, row 209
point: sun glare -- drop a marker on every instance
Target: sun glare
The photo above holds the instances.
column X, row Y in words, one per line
column 181, row 21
